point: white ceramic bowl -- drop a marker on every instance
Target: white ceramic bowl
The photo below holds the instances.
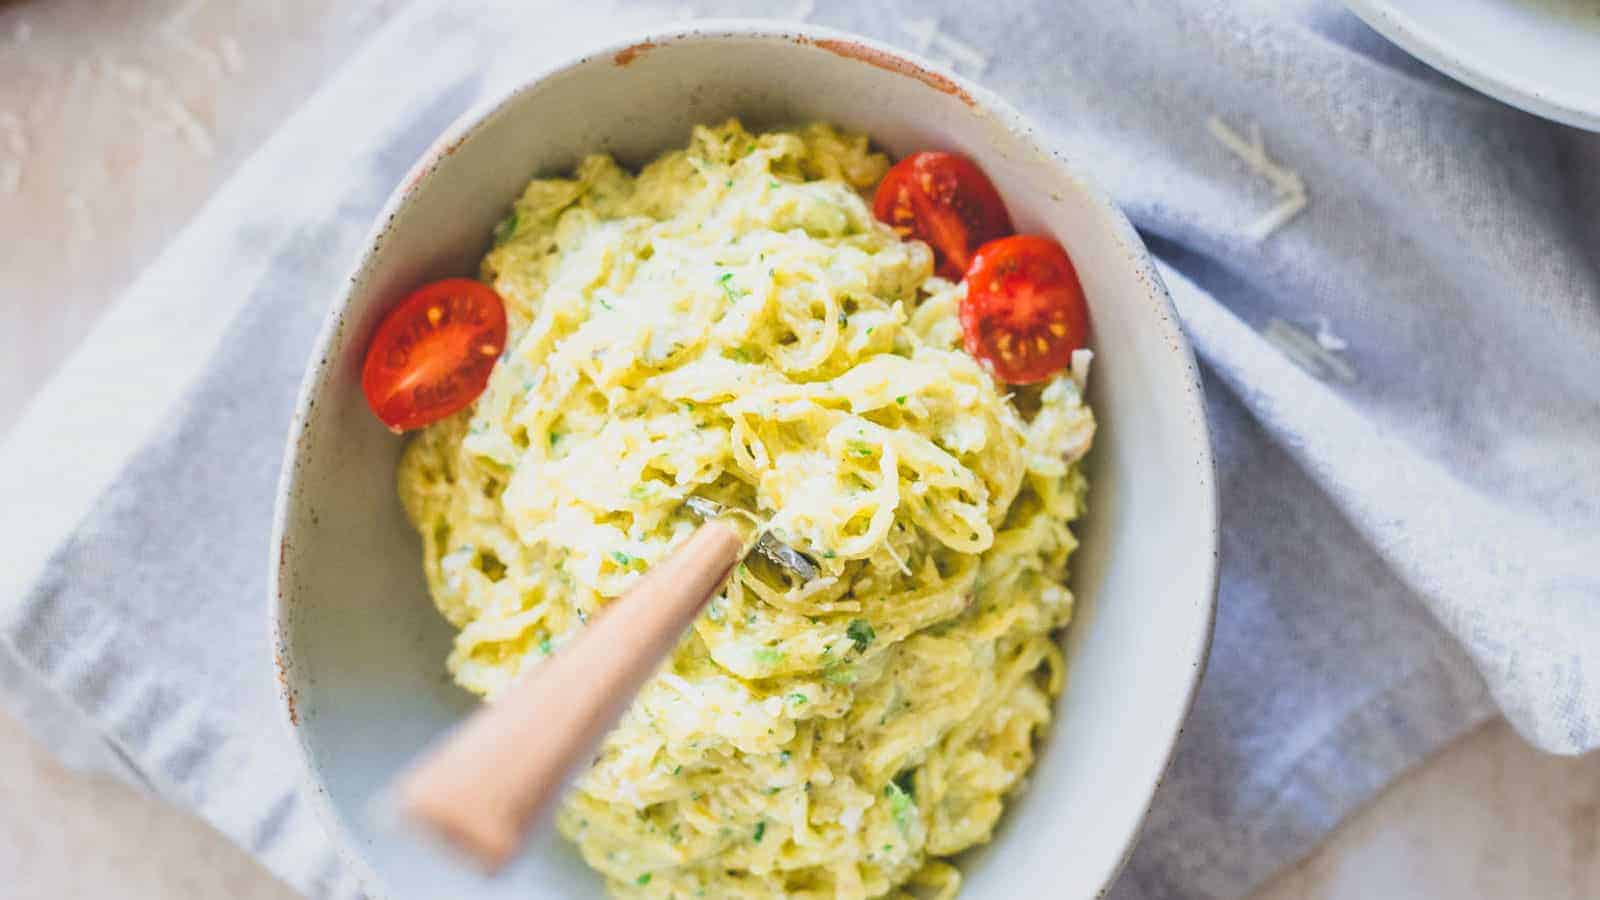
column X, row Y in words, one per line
column 361, row 648
column 1542, row 56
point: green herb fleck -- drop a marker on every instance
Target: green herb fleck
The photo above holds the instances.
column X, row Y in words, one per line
column 783, row 758
column 739, row 355
column 900, row 805
column 728, row 183
column 799, row 699
column 677, row 769
column 860, row 448
column 544, row 647
column 554, row 437
column 772, row 790
column 729, row 292
column 860, row 632
column 642, row 880
column 761, row 831
column 768, row 656
column 507, row 229
column 901, row 400
column 622, row 559
column 828, row 554
column 840, row 675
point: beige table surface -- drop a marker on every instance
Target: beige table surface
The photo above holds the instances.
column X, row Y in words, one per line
column 118, row 117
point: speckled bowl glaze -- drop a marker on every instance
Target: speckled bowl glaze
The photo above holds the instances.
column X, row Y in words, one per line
column 1542, row 56
column 360, row 649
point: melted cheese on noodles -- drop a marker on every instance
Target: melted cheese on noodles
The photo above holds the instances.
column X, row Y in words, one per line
column 732, row 323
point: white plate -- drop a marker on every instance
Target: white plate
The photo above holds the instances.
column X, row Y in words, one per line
column 1539, row 55
column 362, row 647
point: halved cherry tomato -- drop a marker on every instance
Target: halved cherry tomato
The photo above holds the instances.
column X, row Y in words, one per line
column 433, row 352
column 1024, row 312
column 945, row 200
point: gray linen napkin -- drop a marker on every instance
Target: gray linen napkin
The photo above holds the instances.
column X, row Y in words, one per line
column 1401, row 380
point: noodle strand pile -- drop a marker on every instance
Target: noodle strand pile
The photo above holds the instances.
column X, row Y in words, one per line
column 732, row 324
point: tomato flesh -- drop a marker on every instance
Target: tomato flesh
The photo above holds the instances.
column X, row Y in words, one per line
column 1024, row 312
column 946, row 201
column 432, row 353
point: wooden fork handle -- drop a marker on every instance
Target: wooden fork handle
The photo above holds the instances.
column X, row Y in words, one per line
column 492, row 777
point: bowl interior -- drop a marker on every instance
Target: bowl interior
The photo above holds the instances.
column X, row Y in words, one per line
column 364, row 649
